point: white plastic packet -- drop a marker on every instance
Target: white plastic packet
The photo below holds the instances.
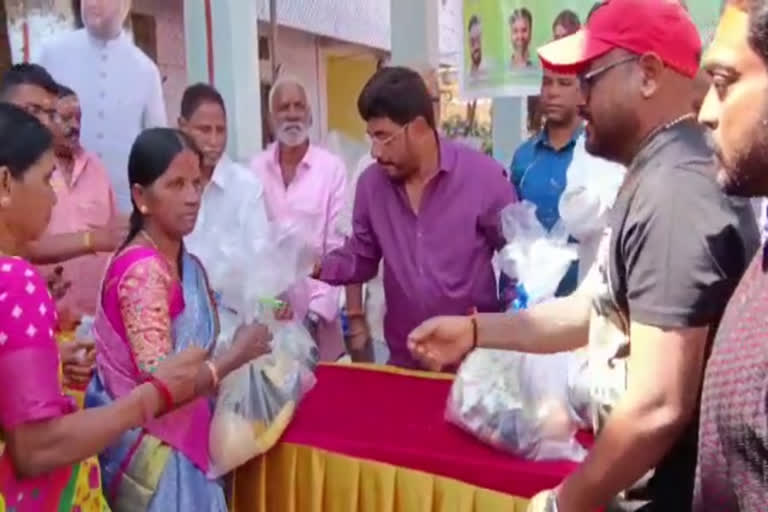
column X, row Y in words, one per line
column 248, row 272
column 591, row 188
column 535, row 257
column 520, row 403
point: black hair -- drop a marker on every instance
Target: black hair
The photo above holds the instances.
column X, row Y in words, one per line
column 196, row 95
column 521, row 13
column 151, row 156
column 65, row 92
column 569, row 20
column 27, row 74
column 23, row 139
column 397, row 93
column 473, row 20
column 758, row 26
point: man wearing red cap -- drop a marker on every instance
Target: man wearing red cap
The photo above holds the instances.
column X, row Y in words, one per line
column 674, row 249
column 732, row 472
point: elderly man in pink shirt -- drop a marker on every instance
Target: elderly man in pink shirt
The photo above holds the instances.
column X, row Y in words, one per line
column 306, row 184
column 84, row 199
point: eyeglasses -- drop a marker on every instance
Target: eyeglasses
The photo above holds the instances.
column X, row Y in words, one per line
column 39, row 111
column 386, row 141
column 587, row 80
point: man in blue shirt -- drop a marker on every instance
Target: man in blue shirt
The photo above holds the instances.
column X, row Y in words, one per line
column 539, row 167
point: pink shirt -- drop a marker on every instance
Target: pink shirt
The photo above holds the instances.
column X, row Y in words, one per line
column 316, row 197
column 88, row 202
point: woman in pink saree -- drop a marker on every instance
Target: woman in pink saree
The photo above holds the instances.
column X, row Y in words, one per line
column 156, row 302
column 47, row 445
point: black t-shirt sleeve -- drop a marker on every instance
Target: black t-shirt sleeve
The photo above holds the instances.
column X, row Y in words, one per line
column 678, row 245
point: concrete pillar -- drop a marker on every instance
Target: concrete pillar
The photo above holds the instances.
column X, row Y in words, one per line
column 222, row 45
column 509, row 115
column 415, row 28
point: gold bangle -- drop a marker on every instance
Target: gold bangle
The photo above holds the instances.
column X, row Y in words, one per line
column 214, row 373
column 88, row 241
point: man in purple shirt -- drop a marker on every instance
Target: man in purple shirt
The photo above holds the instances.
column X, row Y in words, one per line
column 429, row 207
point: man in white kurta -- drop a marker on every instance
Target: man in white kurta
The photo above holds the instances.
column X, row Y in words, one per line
column 119, row 87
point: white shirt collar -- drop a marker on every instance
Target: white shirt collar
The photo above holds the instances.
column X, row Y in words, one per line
column 109, row 44
column 223, row 172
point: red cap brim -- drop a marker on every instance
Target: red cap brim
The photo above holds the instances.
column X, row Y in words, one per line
column 572, row 54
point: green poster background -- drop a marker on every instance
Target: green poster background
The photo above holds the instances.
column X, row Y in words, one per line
column 497, row 78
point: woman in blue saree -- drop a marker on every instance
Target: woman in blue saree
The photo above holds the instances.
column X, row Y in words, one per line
column 155, row 301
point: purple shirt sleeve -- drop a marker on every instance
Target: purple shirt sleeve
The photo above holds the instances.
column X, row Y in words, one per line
column 500, row 194
column 358, row 260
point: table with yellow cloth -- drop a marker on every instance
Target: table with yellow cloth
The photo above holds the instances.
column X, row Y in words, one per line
column 374, row 439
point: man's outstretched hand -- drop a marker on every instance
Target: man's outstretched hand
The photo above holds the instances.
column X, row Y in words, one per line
column 441, row 341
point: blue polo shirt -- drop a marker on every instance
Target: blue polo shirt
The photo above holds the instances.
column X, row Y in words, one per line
column 538, row 172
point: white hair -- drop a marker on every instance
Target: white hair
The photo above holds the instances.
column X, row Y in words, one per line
column 286, row 79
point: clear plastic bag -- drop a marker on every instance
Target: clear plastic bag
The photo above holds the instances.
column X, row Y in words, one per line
column 249, row 270
column 256, row 403
column 520, row 403
column 535, row 257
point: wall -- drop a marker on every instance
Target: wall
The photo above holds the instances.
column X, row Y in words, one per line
column 169, row 19
column 364, row 22
column 346, row 76
column 299, row 55
column 450, row 33
column 40, row 20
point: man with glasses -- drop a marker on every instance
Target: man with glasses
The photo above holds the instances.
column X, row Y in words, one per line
column 429, row 208
column 365, row 305
column 119, row 86
column 31, row 87
column 674, row 249
column 84, row 198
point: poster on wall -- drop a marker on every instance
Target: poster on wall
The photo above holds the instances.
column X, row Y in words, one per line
column 500, row 38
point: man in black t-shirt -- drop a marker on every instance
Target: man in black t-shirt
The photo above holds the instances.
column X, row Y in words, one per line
column 673, row 252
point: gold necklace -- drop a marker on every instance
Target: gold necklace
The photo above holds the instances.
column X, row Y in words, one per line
column 154, row 244
column 647, row 140
column 665, row 127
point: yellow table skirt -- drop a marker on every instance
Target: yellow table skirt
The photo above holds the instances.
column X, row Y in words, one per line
column 297, row 478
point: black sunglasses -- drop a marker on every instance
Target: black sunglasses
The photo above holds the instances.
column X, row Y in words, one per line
column 587, row 80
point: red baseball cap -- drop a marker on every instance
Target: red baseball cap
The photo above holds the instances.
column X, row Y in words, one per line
column 662, row 27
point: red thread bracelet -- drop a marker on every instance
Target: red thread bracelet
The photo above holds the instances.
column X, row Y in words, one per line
column 164, row 392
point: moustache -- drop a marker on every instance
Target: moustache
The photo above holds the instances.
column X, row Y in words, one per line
column 292, row 126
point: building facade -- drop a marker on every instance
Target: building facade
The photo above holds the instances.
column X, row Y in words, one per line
column 332, row 46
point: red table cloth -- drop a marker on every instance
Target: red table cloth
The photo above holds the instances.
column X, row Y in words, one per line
column 397, row 418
